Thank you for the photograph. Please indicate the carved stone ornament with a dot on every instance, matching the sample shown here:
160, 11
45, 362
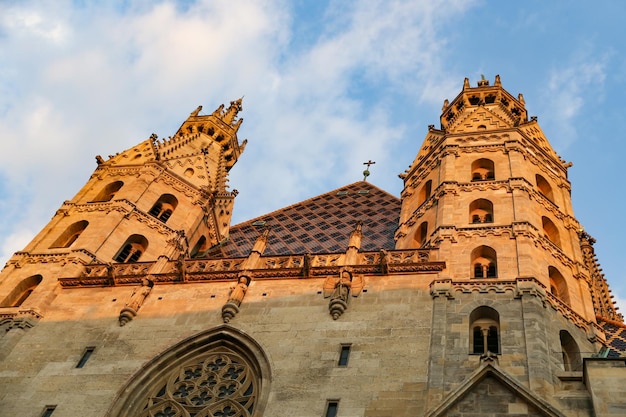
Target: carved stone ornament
340, 288
235, 297
136, 300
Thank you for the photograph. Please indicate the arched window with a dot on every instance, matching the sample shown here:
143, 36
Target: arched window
164, 207
21, 292
482, 170
425, 191
484, 262
70, 235
550, 231
481, 211
132, 250
558, 285
108, 192
571, 352
220, 372
484, 331
544, 187
421, 234
199, 247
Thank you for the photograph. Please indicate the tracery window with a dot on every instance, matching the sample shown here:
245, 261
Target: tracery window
484, 331
164, 207
220, 372
219, 384
483, 170
132, 250
481, 211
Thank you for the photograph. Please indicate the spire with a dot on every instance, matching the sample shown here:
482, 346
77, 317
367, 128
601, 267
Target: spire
231, 113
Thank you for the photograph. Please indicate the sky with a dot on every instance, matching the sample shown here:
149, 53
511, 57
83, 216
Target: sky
327, 85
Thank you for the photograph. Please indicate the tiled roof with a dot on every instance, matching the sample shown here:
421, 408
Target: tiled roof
615, 337
320, 224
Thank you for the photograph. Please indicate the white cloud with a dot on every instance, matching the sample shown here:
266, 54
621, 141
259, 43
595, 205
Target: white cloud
96, 79
573, 86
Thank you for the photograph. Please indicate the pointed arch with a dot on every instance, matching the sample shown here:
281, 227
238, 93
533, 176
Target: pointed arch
425, 191
483, 170
484, 262
571, 352
221, 369
484, 330
108, 192
69, 236
481, 211
164, 207
21, 292
544, 187
558, 285
132, 249
421, 234
550, 231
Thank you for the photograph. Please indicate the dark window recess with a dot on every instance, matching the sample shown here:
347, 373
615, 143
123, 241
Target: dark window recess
83, 360
331, 409
47, 412
344, 355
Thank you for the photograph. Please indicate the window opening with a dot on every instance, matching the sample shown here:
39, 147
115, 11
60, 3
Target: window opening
21, 292
108, 192
86, 355
483, 170
331, 408
484, 262
48, 410
132, 250
484, 331
164, 207
344, 355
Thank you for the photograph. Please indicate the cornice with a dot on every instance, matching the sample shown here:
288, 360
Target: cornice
272, 267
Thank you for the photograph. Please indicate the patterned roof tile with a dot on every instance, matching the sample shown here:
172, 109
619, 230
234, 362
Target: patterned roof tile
320, 224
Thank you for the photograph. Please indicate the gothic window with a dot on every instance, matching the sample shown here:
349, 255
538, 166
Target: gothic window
108, 192
558, 285
164, 207
481, 211
217, 373
70, 235
571, 352
20, 293
199, 247
544, 187
483, 170
421, 235
132, 250
550, 231
425, 191
484, 262
484, 331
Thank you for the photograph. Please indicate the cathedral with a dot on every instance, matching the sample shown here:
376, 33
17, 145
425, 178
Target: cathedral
476, 292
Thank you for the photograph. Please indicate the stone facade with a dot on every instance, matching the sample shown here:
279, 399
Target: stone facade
485, 299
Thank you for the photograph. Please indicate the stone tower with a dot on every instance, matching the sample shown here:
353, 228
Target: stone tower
477, 292
159, 201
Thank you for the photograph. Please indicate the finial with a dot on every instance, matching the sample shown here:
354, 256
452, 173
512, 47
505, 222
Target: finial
498, 83
195, 112
482, 77
366, 173
466, 83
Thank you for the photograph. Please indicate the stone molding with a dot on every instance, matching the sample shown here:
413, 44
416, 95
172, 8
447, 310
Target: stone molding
283, 267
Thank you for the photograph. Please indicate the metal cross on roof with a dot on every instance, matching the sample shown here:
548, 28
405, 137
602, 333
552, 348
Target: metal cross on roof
366, 173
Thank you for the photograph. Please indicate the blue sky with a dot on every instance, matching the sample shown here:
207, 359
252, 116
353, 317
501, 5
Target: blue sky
327, 86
